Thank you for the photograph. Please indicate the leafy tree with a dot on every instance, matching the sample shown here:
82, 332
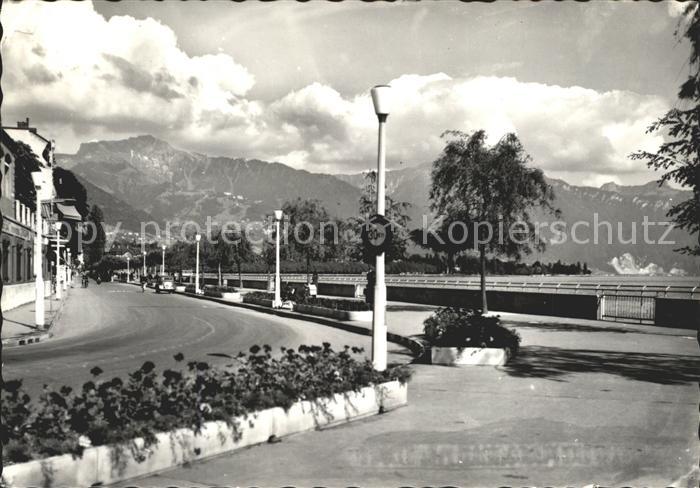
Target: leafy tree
491, 190
442, 239
242, 252
105, 267
179, 256
310, 231
679, 157
396, 213
68, 187
95, 236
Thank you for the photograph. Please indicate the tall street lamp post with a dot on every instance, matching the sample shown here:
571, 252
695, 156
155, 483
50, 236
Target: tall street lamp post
162, 266
143, 250
42, 193
278, 298
380, 99
197, 238
57, 226
69, 269
127, 269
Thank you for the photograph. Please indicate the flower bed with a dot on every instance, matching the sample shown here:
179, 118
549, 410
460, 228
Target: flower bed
466, 337
259, 298
226, 292
117, 411
338, 304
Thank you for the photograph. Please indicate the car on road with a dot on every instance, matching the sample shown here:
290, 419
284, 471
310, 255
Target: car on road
165, 284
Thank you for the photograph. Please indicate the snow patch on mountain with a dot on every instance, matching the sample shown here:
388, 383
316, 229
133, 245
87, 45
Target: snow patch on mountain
627, 265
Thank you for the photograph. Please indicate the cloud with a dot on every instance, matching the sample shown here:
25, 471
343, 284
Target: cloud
125, 76
115, 74
678, 9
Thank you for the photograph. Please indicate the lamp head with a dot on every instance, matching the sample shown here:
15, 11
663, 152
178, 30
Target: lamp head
198, 237
381, 98
163, 247
278, 215
57, 226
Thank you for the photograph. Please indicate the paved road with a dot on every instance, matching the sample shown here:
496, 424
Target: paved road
586, 402
117, 327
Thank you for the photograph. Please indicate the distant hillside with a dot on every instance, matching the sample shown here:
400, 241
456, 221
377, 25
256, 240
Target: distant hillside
624, 207
115, 210
179, 185
172, 184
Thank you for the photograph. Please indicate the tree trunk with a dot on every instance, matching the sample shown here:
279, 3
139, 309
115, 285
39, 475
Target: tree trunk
308, 270
482, 259
220, 283
240, 277
450, 262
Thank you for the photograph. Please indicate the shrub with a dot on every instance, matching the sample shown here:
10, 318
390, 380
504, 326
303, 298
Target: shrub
336, 304
458, 327
116, 411
251, 296
217, 291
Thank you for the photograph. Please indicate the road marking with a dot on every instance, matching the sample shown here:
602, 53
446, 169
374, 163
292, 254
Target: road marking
182, 345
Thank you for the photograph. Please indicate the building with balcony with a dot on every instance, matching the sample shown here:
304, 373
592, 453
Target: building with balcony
22, 151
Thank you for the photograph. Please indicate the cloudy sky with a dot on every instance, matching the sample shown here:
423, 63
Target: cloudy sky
289, 82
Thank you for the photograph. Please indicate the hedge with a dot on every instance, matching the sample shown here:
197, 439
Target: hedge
458, 327
117, 411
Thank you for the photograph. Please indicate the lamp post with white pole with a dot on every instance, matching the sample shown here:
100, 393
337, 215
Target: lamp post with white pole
380, 99
278, 219
162, 266
69, 270
143, 250
197, 238
42, 189
127, 269
59, 274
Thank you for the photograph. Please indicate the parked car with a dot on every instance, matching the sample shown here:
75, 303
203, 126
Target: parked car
165, 284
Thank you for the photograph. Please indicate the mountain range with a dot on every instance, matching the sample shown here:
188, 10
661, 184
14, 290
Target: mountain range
143, 178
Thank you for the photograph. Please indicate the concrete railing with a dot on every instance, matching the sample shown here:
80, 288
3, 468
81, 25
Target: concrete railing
525, 284
669, 312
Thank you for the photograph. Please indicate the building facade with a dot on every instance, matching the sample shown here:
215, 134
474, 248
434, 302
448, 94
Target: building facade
22, 151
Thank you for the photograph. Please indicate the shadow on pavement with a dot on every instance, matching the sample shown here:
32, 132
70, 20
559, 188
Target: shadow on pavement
408, 307
584, 328
553, 362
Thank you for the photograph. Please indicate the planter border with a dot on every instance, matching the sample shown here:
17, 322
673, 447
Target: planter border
350, 315
470, 356
105, 465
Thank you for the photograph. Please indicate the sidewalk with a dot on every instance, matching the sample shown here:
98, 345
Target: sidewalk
19, 325
585, 402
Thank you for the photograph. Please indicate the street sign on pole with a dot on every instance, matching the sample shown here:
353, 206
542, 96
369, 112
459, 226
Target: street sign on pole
377, 234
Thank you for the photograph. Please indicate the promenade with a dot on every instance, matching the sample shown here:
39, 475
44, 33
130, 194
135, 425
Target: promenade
19, 323
585, 403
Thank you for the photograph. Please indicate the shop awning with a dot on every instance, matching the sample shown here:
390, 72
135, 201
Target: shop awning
68, 212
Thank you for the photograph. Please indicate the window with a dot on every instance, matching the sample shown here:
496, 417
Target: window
6, 261
18, 263
30, 271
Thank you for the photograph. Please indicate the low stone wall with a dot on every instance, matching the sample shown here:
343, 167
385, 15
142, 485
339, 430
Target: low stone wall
677, 313
18, 294
352, 315
110, 464
469, 356
670, 312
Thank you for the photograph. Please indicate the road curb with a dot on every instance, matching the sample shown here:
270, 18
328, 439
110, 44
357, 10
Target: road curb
416, 347
108, 464
36, 337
